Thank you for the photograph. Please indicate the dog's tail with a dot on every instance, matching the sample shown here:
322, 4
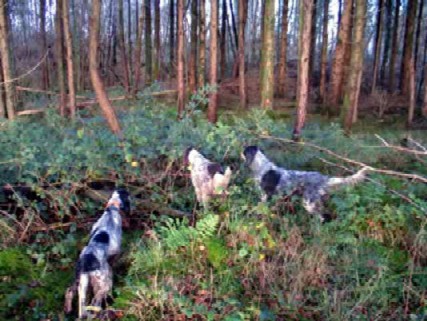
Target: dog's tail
221, 181
349, 180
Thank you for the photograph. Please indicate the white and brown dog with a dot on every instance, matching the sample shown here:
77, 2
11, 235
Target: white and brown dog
208, 178
312, 186
93, 266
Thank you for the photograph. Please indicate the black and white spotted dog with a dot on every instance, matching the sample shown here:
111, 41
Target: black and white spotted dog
93, 267
312, 186
208, 178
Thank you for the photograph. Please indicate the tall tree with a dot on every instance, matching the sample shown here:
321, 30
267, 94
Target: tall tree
70, 62
283, 50
5, 61
192, 68
337, 73
267, 59
97, 83
313, 40
213, 79
408, 46
243, 11
157, 62
222, 41
387, 39
138, 50
233, 21
356, 67
180, 56
122, 44
202, 44
412, 101
59, 49
424, 110
148, 43
45, 66
324, 55
171, 34
378, 41
304, 41
418, 32
394, 48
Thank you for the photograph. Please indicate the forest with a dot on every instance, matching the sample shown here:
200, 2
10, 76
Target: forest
274, 153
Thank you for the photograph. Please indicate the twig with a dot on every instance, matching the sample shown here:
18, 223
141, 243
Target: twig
404, 149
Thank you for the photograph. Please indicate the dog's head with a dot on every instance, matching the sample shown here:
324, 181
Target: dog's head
249, 154
121, 198
186, 158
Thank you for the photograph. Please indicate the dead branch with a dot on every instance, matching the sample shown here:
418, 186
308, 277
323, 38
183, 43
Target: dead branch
30, 112
422, 150
348, 160
46, 92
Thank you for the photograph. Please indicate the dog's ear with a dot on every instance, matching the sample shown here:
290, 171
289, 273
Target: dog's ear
186, 154
214, 168
124, 200
249, 154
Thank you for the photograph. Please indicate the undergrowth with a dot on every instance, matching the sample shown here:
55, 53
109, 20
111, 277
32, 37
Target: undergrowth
239, 260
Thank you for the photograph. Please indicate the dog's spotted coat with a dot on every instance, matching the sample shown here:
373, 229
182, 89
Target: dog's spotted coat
312, 186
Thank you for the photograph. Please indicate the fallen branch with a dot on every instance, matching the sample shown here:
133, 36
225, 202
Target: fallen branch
423, 150
46, 92
348, 160
30, 112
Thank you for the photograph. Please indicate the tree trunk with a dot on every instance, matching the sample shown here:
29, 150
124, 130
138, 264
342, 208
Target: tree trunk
313, 41
267, 60
408, 47
305, 20
387, 40
222, 43
254, 16
281, 90
202, 45
324, 57
412, 101
241, 42
122, 43
60, 56
138, 50
378, 41
148, 44
356, 67
424, 110
233, 23
5, 61
192, 68
70, 63
418, 33
129, 44
338, 64
180, 56
97, 84
3, 111
171, 35
213, 99
394, 48
45, 70
158, 55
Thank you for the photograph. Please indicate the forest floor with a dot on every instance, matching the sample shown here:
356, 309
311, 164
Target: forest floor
241, 260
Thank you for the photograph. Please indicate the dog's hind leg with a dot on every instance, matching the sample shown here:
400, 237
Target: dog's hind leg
69, 295
83, 287
102, 283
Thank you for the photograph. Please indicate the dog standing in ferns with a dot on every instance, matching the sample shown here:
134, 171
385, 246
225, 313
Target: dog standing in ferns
93, 267
312, 186
208, 178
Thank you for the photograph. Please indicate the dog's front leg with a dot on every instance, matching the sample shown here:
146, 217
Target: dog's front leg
83, 287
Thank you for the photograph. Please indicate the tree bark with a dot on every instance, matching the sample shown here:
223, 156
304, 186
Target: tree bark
171, 35
394, 48
180, 56
356, 67
59, 48
233, 23
387, 40
241, 42
304, 42
378, 40
129, 42
313, 41
408, 47
412, 101
192, 68
70, 62
267, 60
324, 57
424, 110
5, 61
45, 66
202, 45
338, 64
138, 50
148, 44
97, 84
222, 42
122, 43
281, 90
158, 55
418, 32
213, 99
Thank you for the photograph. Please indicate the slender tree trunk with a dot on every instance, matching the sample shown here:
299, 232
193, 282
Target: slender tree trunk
233, 23
45, 70
202, 44
158, 55
5, 61
148, 44
213, 99
424, 110
394, 48
138, 50
180, 56
281, 90
408, 47
313, 41
305, 20
378, 41
356, 67
171, 35
70, 63
254, 28
243, 11
129, 34
123, 48
418, 33
412, 101
387, 40
339, 11
324, 58
222, 42
192, 68
267, 61
338, 64
97, 84
60, 56
3, 111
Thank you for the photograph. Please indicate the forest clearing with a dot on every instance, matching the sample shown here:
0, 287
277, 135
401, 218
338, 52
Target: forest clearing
274, 154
